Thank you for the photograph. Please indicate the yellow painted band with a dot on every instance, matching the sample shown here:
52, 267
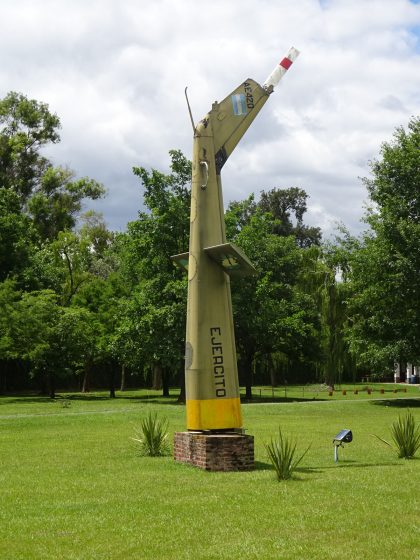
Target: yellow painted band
214, 414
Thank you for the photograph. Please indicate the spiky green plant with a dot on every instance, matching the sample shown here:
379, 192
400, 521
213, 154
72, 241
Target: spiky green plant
152, 436
405, 435
282, 453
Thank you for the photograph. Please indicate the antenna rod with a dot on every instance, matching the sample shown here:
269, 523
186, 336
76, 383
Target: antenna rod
189, 110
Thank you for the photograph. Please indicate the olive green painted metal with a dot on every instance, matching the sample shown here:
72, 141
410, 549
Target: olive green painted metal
212, 388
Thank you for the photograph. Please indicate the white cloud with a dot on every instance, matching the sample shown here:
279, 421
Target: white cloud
115, 73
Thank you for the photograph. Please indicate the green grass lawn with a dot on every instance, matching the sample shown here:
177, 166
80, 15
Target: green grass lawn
74, 487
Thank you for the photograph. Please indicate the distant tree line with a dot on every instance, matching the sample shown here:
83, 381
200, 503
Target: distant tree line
83, 307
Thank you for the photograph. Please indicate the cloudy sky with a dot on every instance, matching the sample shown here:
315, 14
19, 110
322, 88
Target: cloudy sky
115, 71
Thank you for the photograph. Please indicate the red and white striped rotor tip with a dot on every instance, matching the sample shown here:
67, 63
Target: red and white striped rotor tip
281, 69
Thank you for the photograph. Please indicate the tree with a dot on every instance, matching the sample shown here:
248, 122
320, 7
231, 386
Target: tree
385, 308
50, 195
27, 125
17, 236
100, 237
333, 293
9, 295
151, 331
33, 329
103, 298
80, 333
48, 260
287, 208
153, 315
56, 341
282, 203
56, 203
72, 255
271, 313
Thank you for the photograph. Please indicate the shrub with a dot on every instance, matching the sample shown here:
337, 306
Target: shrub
282, 453
152, 436
405, 435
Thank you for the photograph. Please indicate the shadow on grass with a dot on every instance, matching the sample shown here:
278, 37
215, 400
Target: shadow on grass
172, 399
271, 400
308, 470
398, 403
261, 466
297, 475
349, 464
87, 397
144, 398
24, 399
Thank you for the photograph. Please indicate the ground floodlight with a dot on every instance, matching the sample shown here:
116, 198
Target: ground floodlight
345, 436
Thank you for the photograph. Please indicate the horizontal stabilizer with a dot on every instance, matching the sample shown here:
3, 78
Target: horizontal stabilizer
231, 259
228, 256
181, 261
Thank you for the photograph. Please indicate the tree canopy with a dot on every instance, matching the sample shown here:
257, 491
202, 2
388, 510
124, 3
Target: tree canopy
79, 301
385, 268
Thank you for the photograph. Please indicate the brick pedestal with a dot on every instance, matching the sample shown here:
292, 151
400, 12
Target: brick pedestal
215, 452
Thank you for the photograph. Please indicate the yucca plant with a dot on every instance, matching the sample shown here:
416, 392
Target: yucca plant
405, 435
282, 453
152, 436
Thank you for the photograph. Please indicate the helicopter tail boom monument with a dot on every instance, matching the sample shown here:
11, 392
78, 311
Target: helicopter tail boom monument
212, 388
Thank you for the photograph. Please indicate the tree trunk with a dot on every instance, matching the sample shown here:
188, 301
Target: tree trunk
3, 376
112, 382
273, 377
165, 382
122, 388
181, 396
157, 377
273, 371
247, 375
86, 377
329, 375
51, 386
